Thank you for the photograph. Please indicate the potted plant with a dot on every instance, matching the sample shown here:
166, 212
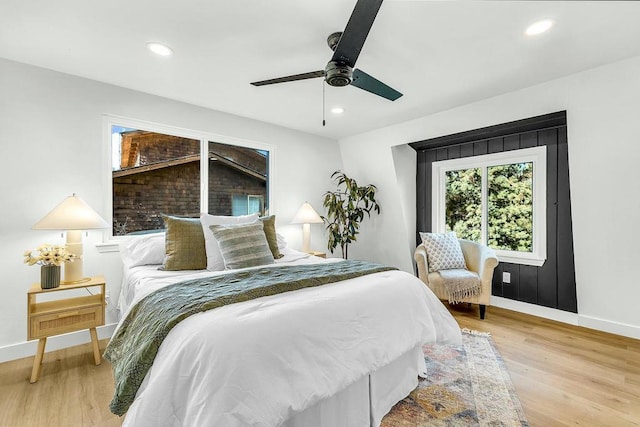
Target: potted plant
346, 207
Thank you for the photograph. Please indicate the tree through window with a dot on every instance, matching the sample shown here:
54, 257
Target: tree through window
498, 200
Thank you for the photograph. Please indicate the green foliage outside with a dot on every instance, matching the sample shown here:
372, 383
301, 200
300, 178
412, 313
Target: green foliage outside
463, 202
509, 205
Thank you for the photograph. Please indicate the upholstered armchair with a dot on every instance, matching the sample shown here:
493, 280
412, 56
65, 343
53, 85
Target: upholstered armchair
478, 258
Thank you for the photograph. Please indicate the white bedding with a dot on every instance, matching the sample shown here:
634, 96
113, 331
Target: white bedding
261, 362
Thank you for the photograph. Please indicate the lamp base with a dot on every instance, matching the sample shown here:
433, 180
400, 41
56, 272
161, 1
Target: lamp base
306, 238
75, 282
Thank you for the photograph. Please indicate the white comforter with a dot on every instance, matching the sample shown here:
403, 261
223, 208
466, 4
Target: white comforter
258, 362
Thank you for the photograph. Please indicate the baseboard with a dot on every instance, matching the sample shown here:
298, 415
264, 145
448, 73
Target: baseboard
28, 348
617, 328
536, 310
590, 322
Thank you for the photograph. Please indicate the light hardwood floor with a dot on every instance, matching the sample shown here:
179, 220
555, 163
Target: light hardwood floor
564, 375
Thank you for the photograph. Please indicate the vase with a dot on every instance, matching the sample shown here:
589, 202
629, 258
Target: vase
49, 276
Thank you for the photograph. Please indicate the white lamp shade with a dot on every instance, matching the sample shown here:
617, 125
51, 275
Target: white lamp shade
72, 213
306, 215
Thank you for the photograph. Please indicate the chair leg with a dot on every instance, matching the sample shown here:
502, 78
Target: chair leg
483, 309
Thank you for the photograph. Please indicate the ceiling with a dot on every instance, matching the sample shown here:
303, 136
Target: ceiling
440, 54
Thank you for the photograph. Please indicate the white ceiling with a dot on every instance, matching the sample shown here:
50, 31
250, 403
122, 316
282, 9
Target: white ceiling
440, 54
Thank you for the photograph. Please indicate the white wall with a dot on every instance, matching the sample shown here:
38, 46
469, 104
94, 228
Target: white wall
603, 110
51, 138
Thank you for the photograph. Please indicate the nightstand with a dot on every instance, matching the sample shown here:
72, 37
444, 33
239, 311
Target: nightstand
48, 318
318, 254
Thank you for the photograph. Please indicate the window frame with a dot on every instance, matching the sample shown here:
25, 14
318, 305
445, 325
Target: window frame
535, 155
111, 241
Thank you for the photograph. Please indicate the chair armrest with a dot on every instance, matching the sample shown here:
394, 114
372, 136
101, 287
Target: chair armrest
420, 257
479, 258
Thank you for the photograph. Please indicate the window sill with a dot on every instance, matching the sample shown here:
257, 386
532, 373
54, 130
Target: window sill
106, 247
511, 259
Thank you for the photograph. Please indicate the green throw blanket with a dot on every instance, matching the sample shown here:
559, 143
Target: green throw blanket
135, 344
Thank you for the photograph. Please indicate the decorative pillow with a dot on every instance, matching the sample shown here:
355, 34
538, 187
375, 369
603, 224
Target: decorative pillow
148, 249
269, 223
242, 245
443, 251
214, 257
282, 242
184, 245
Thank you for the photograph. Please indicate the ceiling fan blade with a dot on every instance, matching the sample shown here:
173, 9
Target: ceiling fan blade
293, 78
364, 81
356, 31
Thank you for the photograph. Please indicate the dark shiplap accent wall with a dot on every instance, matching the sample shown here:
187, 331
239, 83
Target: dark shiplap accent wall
553, 284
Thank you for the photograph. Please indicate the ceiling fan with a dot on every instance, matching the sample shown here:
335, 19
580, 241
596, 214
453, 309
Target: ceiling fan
346, 48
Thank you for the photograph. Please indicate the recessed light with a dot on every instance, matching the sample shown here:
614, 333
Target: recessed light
159, 49
337, 110
539, 27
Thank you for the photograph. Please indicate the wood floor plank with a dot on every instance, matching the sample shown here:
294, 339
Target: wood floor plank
71, 390
564, 376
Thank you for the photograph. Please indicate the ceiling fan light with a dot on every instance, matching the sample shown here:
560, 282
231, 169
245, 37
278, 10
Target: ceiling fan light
159, 49
539, 27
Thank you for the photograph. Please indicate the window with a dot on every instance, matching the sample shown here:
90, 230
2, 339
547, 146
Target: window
247, 204
496, 199
161, 170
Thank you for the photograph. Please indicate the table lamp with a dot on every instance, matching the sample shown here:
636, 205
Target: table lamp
73, 215
306, 216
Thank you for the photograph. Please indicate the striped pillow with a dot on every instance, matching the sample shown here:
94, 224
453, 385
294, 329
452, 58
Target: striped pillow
242, 245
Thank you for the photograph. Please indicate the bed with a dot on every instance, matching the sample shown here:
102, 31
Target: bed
337, 354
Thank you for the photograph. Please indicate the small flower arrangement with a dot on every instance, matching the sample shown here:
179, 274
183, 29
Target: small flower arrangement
47, 254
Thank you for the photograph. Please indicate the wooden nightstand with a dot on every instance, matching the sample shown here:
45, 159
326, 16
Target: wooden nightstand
48, 318
318, 254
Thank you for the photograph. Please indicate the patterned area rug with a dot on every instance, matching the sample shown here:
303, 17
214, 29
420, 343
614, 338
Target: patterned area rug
468, 385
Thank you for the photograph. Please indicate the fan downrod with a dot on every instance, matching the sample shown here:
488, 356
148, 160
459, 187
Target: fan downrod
333, 40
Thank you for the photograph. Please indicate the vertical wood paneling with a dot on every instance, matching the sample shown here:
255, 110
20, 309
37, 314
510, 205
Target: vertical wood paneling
479, 147
566, 270
495, 145
511, 290
528, 290
547, 274
511, 142
553, 284
423, 192
454, 152
426, 214
529, 139
496, 282
466, 150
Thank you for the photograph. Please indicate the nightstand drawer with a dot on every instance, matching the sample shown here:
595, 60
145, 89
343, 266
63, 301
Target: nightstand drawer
46, 325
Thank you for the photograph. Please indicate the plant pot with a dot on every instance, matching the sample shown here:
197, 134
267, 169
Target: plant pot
49, 276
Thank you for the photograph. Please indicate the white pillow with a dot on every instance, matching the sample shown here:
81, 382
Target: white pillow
147, 249
443, 251
215, 262
282, 242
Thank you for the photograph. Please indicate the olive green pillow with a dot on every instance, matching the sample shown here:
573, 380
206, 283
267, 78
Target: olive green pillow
184, 244
269, 223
